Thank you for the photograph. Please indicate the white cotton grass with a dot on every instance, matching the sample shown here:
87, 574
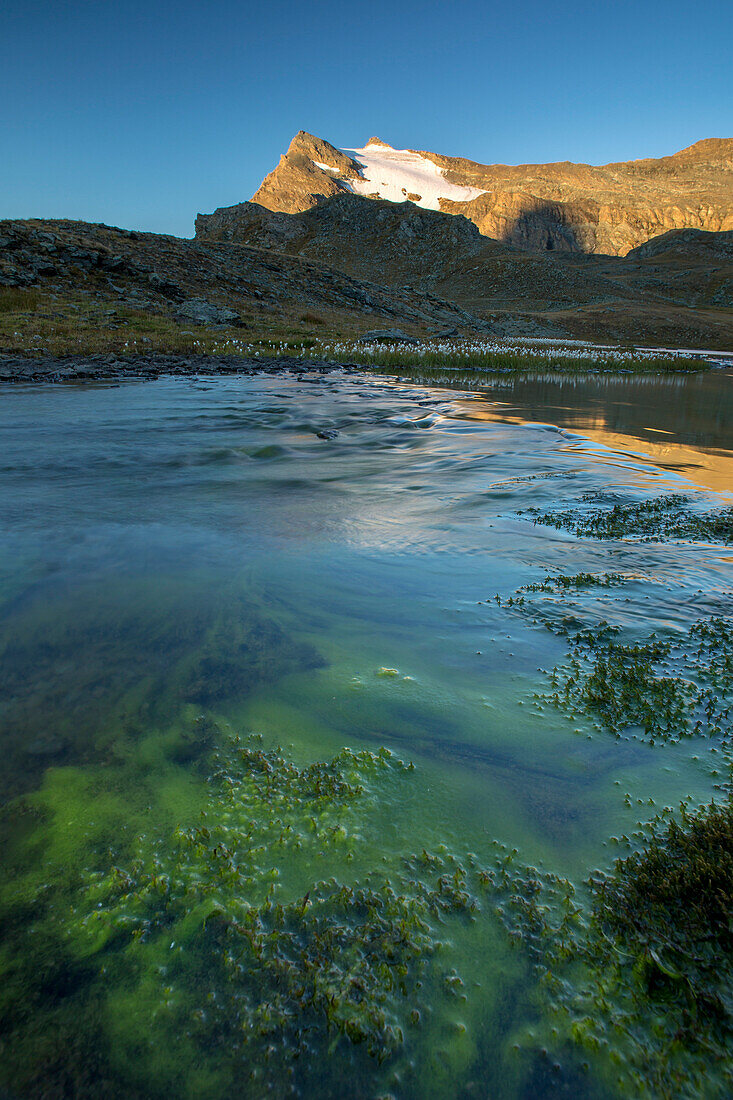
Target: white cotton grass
451, 356
490, 353
473, 355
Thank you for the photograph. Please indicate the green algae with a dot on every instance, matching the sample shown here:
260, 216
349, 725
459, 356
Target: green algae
564, 581
211, 950
223, 935
273, 981
665, 517
52, 1038
714, 653
221, 956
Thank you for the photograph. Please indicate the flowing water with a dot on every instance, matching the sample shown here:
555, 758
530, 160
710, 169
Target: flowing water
185, 563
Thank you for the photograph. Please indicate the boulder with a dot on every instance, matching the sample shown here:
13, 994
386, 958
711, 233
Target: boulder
165, 287
201, 312
387, 336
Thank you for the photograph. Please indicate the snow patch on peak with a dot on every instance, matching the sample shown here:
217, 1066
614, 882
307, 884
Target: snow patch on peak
399, 174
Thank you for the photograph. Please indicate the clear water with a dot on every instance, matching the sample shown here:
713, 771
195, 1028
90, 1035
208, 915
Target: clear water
186, 548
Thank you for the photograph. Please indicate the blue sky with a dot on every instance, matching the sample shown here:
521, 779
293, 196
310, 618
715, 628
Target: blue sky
143, 114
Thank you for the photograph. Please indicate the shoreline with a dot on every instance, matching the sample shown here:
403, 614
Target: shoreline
17, 369
147, 368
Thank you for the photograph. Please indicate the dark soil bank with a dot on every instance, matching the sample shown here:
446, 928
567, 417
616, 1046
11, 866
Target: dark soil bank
112, 368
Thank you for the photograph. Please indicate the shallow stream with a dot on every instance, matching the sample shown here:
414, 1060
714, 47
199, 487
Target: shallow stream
188, 562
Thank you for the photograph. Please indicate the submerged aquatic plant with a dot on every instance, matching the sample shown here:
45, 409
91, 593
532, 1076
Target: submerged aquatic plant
658, 689
714, 653
661, 946
79, 666
637, 966
272, 981
240, 649
664, 517
672, 903
650, 687
622, 686
562, 583
220, 959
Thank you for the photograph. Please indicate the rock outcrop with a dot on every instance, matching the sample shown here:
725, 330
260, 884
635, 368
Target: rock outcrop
393, 243
609, 209
200, 312
310, 171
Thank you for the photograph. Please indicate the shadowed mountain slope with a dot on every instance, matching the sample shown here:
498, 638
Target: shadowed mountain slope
655, 292
148, 271
398, 243
391, 242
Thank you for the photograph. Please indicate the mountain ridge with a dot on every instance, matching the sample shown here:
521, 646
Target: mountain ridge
557, 206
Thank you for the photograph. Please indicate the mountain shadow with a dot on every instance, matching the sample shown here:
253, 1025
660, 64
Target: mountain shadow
546, 227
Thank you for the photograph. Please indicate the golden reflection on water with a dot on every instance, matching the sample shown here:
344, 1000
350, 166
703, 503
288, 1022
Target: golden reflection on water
705, 468
686, 430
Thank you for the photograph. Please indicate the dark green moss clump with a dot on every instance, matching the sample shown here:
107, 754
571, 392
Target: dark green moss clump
662, 937
671, 905
664, 517
638, 964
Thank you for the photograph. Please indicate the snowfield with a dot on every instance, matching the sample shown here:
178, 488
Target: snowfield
396, 173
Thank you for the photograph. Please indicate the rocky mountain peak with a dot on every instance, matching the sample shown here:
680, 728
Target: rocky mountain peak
561, 207
310, 171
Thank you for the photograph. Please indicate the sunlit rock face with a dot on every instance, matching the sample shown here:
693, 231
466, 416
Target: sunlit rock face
562, 207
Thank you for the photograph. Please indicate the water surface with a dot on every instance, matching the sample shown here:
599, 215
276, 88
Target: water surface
184, 561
